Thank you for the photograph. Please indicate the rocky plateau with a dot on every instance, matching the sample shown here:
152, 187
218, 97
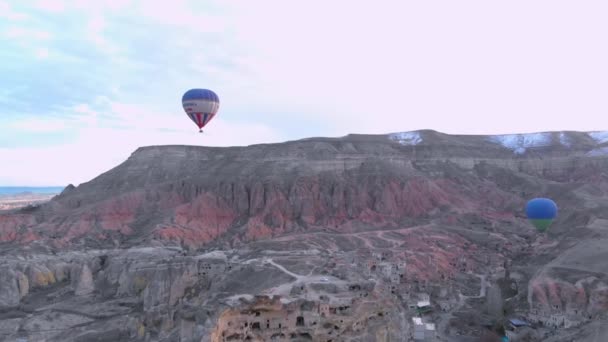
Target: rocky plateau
396, 237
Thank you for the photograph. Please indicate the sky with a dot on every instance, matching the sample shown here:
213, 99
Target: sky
85, 83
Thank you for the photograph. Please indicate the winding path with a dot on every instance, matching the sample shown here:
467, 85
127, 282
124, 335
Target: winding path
441, 325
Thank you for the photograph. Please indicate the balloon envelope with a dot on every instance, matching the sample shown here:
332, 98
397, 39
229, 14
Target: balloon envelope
541, 212
201, 105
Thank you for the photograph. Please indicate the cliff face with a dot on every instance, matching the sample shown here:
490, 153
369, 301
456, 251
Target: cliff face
575, 282
415, 213
266, 319
586, 297
118, 295
199, 195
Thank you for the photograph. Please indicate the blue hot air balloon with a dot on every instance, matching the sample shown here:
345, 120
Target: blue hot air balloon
541, 212
201, 105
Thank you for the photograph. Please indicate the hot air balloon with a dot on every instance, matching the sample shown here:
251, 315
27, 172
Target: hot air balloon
541, 212
201, 105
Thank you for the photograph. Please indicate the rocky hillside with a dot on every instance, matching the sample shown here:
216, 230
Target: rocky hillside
419, 212
200, 195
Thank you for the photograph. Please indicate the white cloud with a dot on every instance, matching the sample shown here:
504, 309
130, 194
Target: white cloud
180, 13
90, 7
39, 125
89, 115
42, 53
53, 6
26, 34
95, 33
72, 118
7, 12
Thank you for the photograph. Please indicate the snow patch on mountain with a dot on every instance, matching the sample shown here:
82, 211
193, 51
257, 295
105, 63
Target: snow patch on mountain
519, 143
406, 138
600, 137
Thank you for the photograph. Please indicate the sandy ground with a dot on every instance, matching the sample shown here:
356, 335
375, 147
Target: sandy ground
8, 202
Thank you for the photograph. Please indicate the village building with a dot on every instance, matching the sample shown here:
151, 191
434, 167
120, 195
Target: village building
424, 331
212, 267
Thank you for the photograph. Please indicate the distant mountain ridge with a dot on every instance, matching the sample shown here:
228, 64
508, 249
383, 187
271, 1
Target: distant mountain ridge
196, 195
450, 206
16, 190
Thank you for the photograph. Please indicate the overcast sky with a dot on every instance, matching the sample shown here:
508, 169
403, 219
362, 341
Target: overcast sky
84, 83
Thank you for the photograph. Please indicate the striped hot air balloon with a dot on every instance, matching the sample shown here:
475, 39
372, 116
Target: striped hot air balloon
201, 105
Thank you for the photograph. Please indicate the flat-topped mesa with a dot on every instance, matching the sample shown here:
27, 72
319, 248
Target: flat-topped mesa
412, 145
521, 143
311, 147
195, 195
